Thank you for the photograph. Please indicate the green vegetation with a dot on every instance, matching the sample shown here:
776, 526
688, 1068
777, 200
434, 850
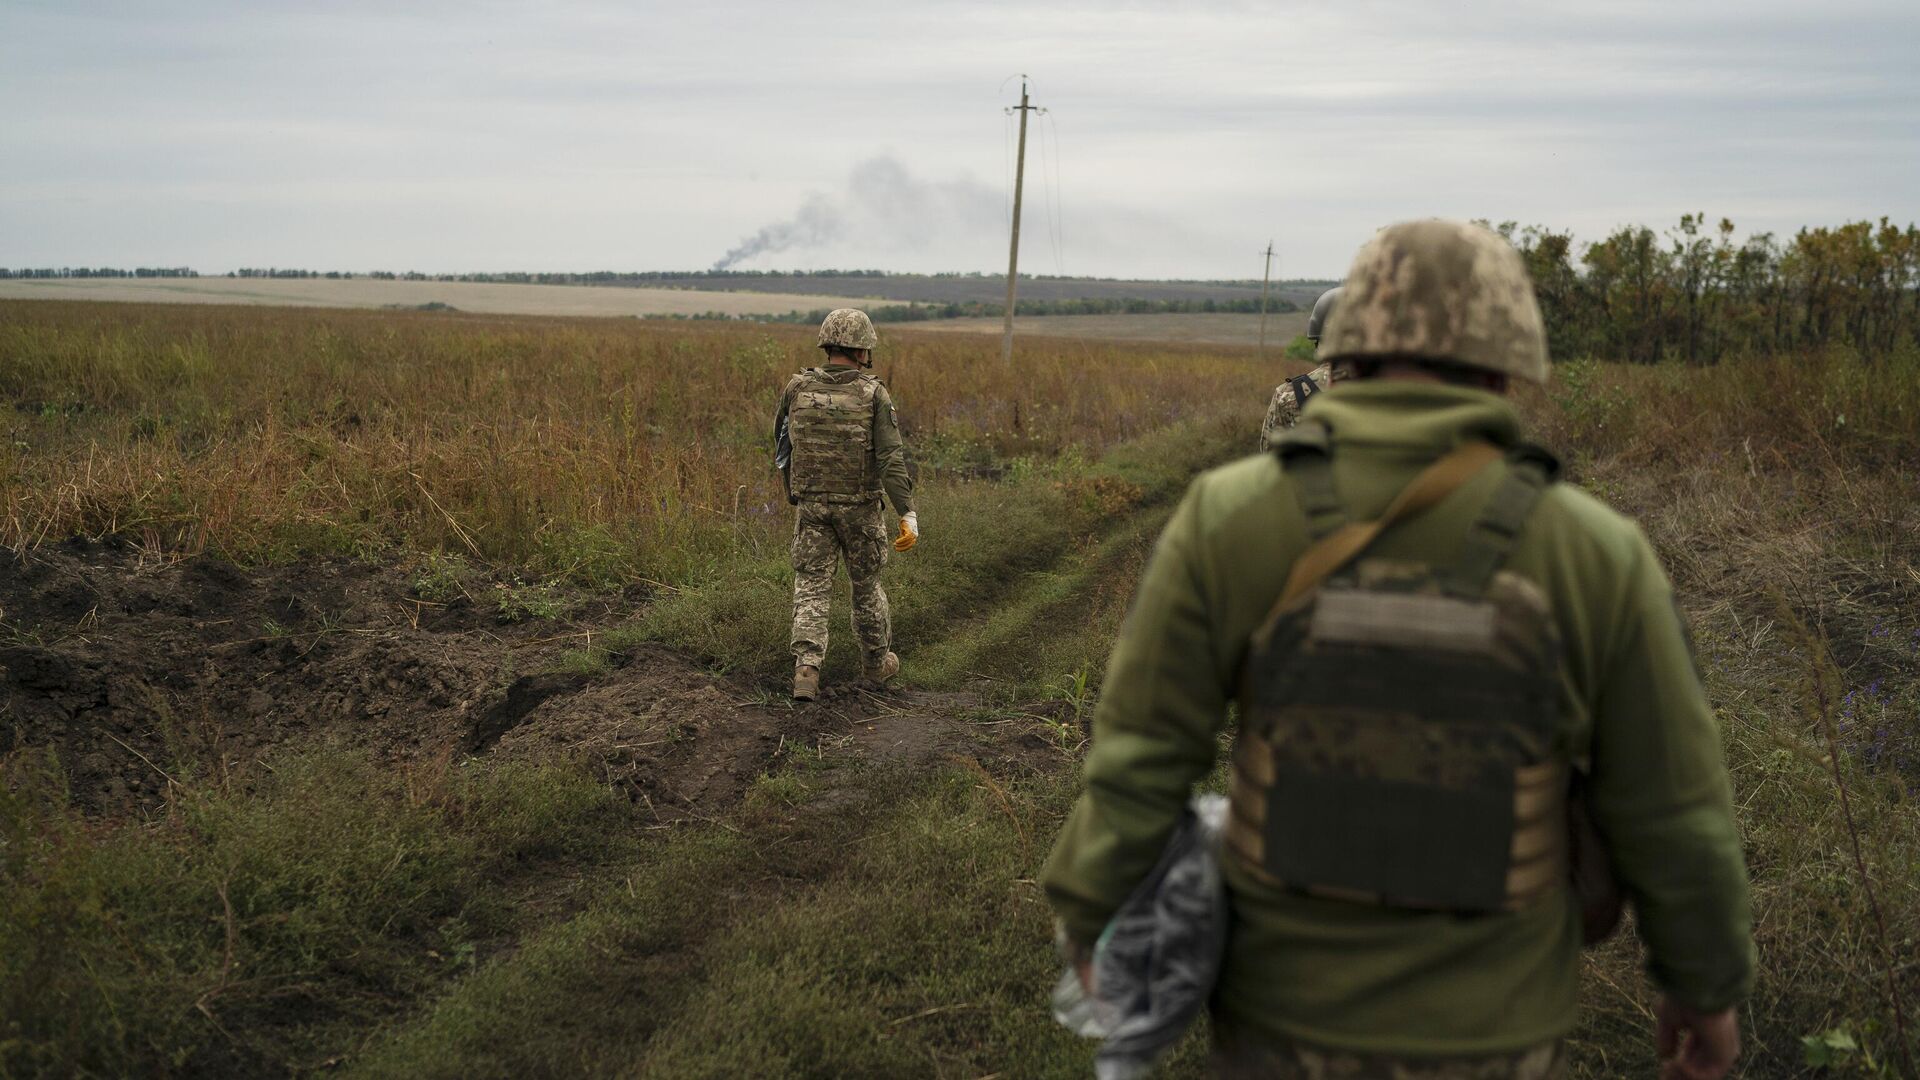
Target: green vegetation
1695, 295
263, 927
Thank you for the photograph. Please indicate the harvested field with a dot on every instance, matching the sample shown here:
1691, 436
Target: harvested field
460, 295
1226, 329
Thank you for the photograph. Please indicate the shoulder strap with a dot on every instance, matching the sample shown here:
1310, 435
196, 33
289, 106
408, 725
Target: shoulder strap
1491, 537
1304, 453
1335, 549
1303, 388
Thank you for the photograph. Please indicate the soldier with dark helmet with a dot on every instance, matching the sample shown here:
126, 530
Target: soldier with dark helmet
838, 448
1448, 668
1292, 396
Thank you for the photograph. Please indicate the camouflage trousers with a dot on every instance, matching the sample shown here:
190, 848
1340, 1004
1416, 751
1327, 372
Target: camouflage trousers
823, 534
1238, 1058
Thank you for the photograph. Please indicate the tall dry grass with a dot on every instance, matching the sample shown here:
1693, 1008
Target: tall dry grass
1784, 498
609, 450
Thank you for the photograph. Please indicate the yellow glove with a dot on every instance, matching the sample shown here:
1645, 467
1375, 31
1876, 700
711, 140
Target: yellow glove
909, 531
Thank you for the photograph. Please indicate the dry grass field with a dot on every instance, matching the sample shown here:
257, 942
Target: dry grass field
400, 693
464, 296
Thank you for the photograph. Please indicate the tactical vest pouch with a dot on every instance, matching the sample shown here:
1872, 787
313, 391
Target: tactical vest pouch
1399, 736
831, 426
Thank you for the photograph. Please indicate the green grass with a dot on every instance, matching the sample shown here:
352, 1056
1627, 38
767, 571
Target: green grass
256, 929
999, 561
914, 949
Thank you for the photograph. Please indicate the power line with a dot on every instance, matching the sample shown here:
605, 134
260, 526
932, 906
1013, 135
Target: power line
1058, 217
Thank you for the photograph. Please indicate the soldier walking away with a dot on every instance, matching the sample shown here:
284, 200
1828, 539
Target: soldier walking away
838, 448
1291, 396
1447, 666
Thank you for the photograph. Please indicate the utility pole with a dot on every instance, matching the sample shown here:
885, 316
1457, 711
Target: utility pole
1265, 276
1013, 246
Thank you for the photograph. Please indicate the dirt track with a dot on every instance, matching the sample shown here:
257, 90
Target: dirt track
132, 669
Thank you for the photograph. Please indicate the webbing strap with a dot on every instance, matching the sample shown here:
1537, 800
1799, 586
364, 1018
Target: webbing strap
1491, 537
1303, 453
1303, 389
1334, 550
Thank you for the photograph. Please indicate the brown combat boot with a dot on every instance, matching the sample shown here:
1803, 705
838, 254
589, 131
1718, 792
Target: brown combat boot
806, 682
882, 670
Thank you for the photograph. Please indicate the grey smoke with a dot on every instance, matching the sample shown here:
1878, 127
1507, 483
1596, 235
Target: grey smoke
883, 206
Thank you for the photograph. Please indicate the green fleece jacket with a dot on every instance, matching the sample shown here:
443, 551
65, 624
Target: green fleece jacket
1359, 977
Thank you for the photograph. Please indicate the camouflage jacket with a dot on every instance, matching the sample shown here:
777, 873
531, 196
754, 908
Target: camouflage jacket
1368, 978
889, 449
1284, 410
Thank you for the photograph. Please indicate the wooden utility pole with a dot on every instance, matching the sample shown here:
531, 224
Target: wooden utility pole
1013, 246
1265, 276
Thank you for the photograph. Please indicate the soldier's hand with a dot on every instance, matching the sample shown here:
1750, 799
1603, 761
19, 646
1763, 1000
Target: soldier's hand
909, 531
1695, 1045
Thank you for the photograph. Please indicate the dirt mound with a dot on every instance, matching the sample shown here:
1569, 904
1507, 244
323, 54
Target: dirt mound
140, 672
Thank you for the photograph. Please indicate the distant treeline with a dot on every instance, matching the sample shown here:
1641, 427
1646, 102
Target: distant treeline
1692, 293
98, 272
591, 277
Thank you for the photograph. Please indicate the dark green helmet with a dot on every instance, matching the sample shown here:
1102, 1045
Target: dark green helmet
1322, 311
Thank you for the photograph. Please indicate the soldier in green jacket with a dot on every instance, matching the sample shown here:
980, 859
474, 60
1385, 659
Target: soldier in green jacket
1413, 714
838, 448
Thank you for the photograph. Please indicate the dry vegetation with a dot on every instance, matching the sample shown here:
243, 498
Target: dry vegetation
848, 915
1784, 496
602, 450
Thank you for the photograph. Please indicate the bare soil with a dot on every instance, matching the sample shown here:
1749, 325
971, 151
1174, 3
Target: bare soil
133, 670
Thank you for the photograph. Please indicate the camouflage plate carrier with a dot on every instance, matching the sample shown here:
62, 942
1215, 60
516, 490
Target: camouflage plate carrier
1403, 741
830, 424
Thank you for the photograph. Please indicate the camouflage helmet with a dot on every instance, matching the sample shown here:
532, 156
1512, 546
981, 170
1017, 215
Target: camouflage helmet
848, 328
1440, 290
1322, 311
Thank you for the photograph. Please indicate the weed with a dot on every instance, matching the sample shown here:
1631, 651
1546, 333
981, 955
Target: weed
441, 577
518, 602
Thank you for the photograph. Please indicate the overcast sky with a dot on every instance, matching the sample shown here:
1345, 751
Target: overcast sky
1180, 138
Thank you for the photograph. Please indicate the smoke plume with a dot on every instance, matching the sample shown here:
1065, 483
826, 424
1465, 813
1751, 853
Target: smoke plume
884, 207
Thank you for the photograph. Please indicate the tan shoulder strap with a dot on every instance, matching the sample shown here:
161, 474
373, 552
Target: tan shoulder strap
1439, 480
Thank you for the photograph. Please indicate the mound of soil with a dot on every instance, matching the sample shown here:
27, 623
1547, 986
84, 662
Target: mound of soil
140, 672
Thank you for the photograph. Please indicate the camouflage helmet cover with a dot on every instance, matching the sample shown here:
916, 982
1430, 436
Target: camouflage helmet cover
1441, 290
1322, 311
848, 328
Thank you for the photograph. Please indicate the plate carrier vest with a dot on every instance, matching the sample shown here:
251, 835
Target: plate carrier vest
1402, 737
830, 423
